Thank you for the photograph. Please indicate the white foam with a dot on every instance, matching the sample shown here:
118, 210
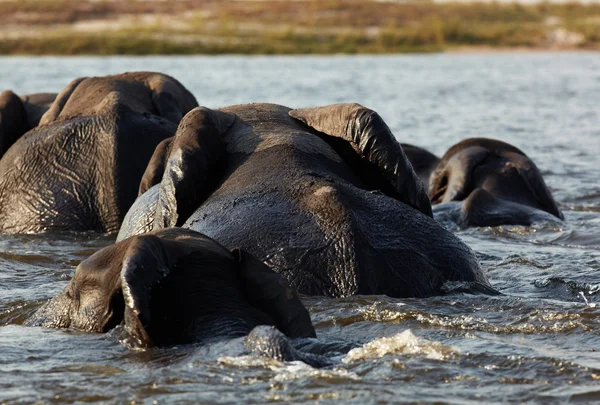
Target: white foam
405, 343
289, 370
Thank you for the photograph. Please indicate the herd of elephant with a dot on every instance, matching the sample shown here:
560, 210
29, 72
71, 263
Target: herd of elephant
224, 214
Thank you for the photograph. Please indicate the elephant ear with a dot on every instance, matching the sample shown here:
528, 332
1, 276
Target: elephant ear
271, 293
481, 208
156, 167
13, 120
60, 101
170, 99
534, 181
371, 138
166, 105
192, 167
147, 263
452, 181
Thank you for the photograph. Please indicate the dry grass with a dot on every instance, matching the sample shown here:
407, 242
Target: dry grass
282, 26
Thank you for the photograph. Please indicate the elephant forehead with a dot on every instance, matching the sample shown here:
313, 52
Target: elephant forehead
249, 142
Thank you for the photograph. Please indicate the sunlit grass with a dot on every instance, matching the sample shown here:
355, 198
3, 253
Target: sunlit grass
287, 27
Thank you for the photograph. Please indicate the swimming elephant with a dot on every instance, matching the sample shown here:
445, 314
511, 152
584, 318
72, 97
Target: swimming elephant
325, 196
422, 161
486, 182
80, 168
177, 286
143, 92
20, 114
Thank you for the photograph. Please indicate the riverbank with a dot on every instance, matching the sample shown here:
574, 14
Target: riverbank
103, 27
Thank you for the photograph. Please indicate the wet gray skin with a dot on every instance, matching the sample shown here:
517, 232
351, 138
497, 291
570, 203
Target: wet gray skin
79, 170
176, 286
495, 184
325, 196
537, 343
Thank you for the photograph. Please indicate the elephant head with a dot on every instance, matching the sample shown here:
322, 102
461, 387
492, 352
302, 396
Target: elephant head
144, 92
185, 164
326, 196
88, 153
175, 286
498, 183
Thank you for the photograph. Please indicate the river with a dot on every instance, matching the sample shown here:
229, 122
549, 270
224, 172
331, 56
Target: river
539, 342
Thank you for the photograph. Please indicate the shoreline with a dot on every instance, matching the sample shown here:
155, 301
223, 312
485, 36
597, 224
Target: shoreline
459, 50
281, 27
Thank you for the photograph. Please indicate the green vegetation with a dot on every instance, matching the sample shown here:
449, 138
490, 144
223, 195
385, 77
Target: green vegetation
288, 27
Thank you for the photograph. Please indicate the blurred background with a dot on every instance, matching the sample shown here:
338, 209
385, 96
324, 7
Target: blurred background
538, 343
105, 27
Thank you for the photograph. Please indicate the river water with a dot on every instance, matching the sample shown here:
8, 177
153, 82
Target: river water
539, 342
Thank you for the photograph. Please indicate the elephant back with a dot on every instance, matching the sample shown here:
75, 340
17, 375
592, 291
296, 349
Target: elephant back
81, 174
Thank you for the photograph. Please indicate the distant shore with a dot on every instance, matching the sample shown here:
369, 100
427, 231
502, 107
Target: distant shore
97, 27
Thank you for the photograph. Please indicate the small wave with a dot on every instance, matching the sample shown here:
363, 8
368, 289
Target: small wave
549, 233
405, 343
575, 288
286, 371
17, 312
250, 362
545, 322
517, 259
512, 321
468, 287
584, 208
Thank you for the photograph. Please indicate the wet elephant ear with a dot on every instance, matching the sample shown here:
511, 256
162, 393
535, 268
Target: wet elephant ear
372, 138
192, 166
481, 208
147, 262
165, 94
13, 120
156, 167
534, 181
451, 180
271, 293
157, 266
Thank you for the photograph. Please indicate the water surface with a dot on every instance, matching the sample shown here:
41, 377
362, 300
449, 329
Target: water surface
539, 342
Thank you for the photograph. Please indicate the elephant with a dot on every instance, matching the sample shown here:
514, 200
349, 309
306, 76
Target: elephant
20, 114
325, 196
177, 286
80, 168
487, 182
36, 106
422, 161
